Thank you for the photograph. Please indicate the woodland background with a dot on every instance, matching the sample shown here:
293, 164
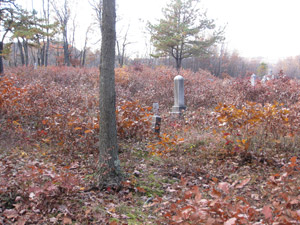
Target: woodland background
231, 159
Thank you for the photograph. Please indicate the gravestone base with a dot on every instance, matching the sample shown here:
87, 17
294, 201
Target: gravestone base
178, 109
177, 112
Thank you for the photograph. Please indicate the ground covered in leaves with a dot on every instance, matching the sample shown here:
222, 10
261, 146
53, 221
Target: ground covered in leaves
232, 158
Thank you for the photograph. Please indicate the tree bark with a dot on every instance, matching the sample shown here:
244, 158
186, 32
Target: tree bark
26, 53
1, 59
109, 173
83, 58
41, 61
83, 55
21, 52
66, 53
178, 64
63, 17
48, 38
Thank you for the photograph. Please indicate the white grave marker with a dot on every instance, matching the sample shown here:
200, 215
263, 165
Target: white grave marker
179, 105
253, 80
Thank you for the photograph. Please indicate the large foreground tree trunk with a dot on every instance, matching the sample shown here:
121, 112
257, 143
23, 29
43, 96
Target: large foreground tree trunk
109, 173
1, 59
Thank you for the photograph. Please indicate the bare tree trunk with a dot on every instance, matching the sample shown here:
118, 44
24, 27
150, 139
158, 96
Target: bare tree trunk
41, 60
1, 59
97, 6
25, 47
121, 52
83, 55
15, 51
33, 56
46, 54
73, 37
178, 64
66, 53
21, 52
109, 172
63, 15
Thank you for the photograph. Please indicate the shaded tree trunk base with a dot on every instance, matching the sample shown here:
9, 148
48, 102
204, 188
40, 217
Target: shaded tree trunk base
109, 179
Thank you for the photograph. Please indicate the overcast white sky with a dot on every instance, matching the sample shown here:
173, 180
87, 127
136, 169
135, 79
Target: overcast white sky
255, 28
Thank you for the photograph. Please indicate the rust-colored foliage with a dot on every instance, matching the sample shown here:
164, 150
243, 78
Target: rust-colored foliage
164, 144
49, 124
253, 125
133, 120
62, 109
222, 208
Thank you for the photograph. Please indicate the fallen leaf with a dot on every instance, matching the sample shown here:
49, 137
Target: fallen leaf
231, 221
267, 211
67, 220
142, 190
87, 212
10, 213
22, 221
198, 215
243, 199
293, 161
31, 195
215, 179
112, 210
243, 183
224, 186
215, 194
53, 220
255, 197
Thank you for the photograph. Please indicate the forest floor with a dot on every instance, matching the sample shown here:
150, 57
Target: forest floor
45, 185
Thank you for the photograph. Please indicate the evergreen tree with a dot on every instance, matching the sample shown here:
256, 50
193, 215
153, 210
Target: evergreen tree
183, 32
7, 10
262, 69
29, 30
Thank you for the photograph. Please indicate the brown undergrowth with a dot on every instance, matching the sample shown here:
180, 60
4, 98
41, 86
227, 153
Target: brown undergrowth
230, 163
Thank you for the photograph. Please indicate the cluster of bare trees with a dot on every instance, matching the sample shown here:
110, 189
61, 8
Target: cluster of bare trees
48, 37
33, 38
290, 66
220, 63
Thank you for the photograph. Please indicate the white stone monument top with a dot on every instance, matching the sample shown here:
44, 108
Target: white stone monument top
264, 79
253, 80
179, 77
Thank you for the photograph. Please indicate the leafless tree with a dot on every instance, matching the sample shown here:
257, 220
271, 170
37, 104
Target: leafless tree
63, 15
97, 6
83, 55
121, 47
46, 11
